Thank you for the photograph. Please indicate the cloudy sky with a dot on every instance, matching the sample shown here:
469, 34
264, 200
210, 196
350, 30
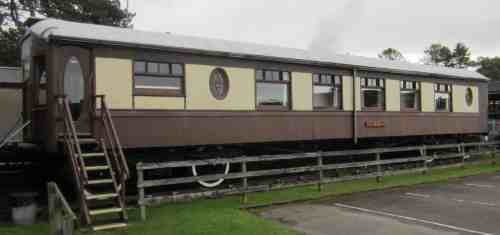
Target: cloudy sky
360, 27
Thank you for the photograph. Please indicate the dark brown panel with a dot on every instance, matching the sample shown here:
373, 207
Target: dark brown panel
417, 123
153, 128
12, 85
483, 106
39, 121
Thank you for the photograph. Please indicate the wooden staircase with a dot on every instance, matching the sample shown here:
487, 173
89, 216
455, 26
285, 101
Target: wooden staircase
100, 169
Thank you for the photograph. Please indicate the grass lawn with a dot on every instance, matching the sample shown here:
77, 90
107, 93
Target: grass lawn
224, 216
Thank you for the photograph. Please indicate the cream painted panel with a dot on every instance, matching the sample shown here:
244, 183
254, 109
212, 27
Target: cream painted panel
114, 79
146, 102
302, 91
427, 96
11, 101
458, 98
347, 93
459, 102
392, 95
241, 94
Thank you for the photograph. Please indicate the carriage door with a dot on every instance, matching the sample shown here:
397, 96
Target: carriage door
76, 86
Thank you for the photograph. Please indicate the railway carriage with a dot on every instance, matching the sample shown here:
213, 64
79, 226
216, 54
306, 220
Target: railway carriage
94, 92
168, 90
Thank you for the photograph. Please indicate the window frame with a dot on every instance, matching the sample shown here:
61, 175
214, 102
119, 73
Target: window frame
280, 81
378, 86
448, 90
155, 92
331, 85
416, 89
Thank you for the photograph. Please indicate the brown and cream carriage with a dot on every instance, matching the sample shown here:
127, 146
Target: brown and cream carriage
129, 89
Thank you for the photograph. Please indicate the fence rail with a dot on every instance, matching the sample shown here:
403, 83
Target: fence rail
61, 216
423, 156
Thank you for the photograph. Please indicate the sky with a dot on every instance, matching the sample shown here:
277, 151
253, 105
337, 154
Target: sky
359, 27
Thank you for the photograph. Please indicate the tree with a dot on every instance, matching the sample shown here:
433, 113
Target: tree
391, 54
13, 14
439, 54
461, 56
489, 67
9, 54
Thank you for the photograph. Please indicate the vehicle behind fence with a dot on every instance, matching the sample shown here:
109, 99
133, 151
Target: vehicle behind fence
325, 167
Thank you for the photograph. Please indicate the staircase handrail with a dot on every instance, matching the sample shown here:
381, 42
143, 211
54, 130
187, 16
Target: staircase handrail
70, 131
113, 139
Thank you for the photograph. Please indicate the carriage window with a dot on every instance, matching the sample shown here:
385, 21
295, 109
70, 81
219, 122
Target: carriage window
74, 86
373, 94
327, 91
158, 79
442, 97
272, 89
410, 95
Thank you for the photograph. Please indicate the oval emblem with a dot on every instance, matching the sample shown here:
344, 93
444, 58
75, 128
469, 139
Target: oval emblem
219, 83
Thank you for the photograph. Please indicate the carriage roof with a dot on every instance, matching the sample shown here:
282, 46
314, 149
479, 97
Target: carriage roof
52, 29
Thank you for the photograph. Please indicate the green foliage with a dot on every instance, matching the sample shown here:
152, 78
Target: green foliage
461, 56
9, 53
13, 14
391, 54
105, 12
439, 54
489, 67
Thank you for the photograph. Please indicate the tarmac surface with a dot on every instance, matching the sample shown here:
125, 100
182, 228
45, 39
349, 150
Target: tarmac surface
465, 206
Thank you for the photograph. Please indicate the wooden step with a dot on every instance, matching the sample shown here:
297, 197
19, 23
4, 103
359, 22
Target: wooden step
103, 181
105, 211
82, 140
79, 134
96, 168
87, 140
91, 155
109, 226
103, 196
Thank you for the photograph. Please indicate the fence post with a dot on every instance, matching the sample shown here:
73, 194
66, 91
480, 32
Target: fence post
493, 155
461, 149
244, 198
68, 227
320, 172
379, 168
423, 153
52, 208
140, 181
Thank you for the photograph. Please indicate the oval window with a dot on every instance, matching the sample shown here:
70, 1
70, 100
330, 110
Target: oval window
74, 85
469, 96
219, 83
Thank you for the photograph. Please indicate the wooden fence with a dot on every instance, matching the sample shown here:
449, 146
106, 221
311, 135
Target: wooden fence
424, 155
61, 216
